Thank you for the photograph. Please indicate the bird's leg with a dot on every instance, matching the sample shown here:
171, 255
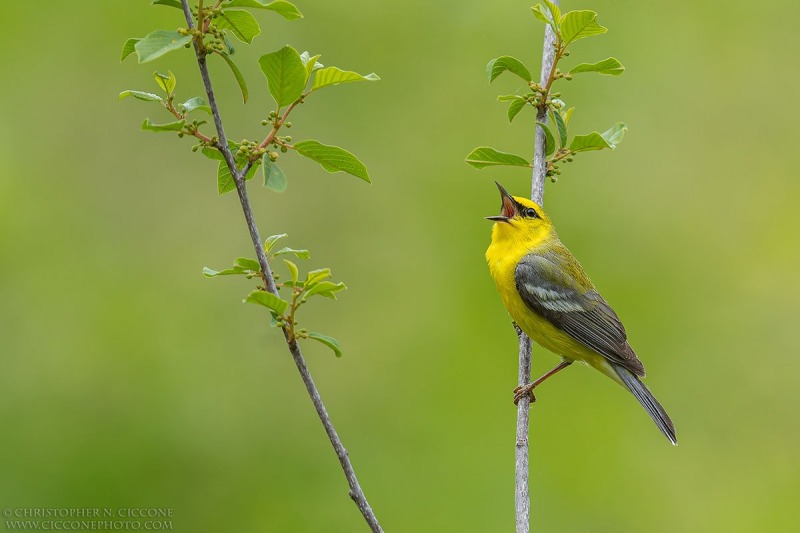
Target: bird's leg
527, 390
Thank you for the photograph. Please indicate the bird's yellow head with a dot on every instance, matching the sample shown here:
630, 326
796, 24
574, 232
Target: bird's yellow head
521, 221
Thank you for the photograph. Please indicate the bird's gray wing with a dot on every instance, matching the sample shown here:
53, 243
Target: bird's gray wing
553, 291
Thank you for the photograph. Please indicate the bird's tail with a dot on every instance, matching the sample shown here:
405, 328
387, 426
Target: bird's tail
648, 401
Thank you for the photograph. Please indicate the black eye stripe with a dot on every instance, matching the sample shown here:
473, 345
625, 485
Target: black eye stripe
528, 212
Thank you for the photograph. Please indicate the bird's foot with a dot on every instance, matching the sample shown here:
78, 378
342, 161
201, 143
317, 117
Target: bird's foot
523, 391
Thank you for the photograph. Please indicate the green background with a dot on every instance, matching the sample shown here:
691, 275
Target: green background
129, 380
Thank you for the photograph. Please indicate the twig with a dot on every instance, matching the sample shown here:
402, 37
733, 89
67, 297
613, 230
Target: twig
522, 499
269, 283
539, 154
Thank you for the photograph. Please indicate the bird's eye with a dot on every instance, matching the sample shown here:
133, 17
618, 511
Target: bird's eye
530, 213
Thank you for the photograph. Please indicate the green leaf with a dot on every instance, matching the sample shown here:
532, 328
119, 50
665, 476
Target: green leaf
330, 342
486, 156
555, 11
242, 265
212, 153
334, 76
562, 128
292, 269
269, 300
229, 46
300, 254
579, 25
241, 23
324, 288
333, 158
568, 115
615, 133
598, 141
591, 141
507, 63
166, 81
172, 126
211, 273
225, 182
550, 141
514, 108
158, 43
311, 63
247, 264
315, 276
274, 178
542, 14
236, 74
140, 95
128, 48
170, 3
285, 9
508, 97
609, 66
271, 240
286, 74
195, 103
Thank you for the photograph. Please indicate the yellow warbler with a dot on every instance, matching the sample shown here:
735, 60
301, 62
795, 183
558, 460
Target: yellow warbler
552, 300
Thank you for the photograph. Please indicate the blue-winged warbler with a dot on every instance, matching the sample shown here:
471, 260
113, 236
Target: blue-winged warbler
552, 300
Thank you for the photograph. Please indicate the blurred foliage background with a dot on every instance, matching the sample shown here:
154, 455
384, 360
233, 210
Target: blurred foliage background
130, 380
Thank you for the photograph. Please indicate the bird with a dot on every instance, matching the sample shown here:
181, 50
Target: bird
550, 298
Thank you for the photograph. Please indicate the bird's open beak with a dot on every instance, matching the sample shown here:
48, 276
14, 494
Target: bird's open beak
508, 209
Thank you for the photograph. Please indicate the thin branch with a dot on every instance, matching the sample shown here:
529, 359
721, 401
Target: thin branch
181, 116
522, 499
269, 283
539, 154
273, 134
279, 122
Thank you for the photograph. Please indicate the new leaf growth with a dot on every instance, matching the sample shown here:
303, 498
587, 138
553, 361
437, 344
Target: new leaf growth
291, 78
568, 28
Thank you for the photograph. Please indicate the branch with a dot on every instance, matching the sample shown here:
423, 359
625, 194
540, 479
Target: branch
269, 283
539, 157
522, 499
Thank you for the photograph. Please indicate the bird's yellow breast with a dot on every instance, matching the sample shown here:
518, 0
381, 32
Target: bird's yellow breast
508, 247
503, 255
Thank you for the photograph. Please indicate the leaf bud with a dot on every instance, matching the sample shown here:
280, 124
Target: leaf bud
273, 156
